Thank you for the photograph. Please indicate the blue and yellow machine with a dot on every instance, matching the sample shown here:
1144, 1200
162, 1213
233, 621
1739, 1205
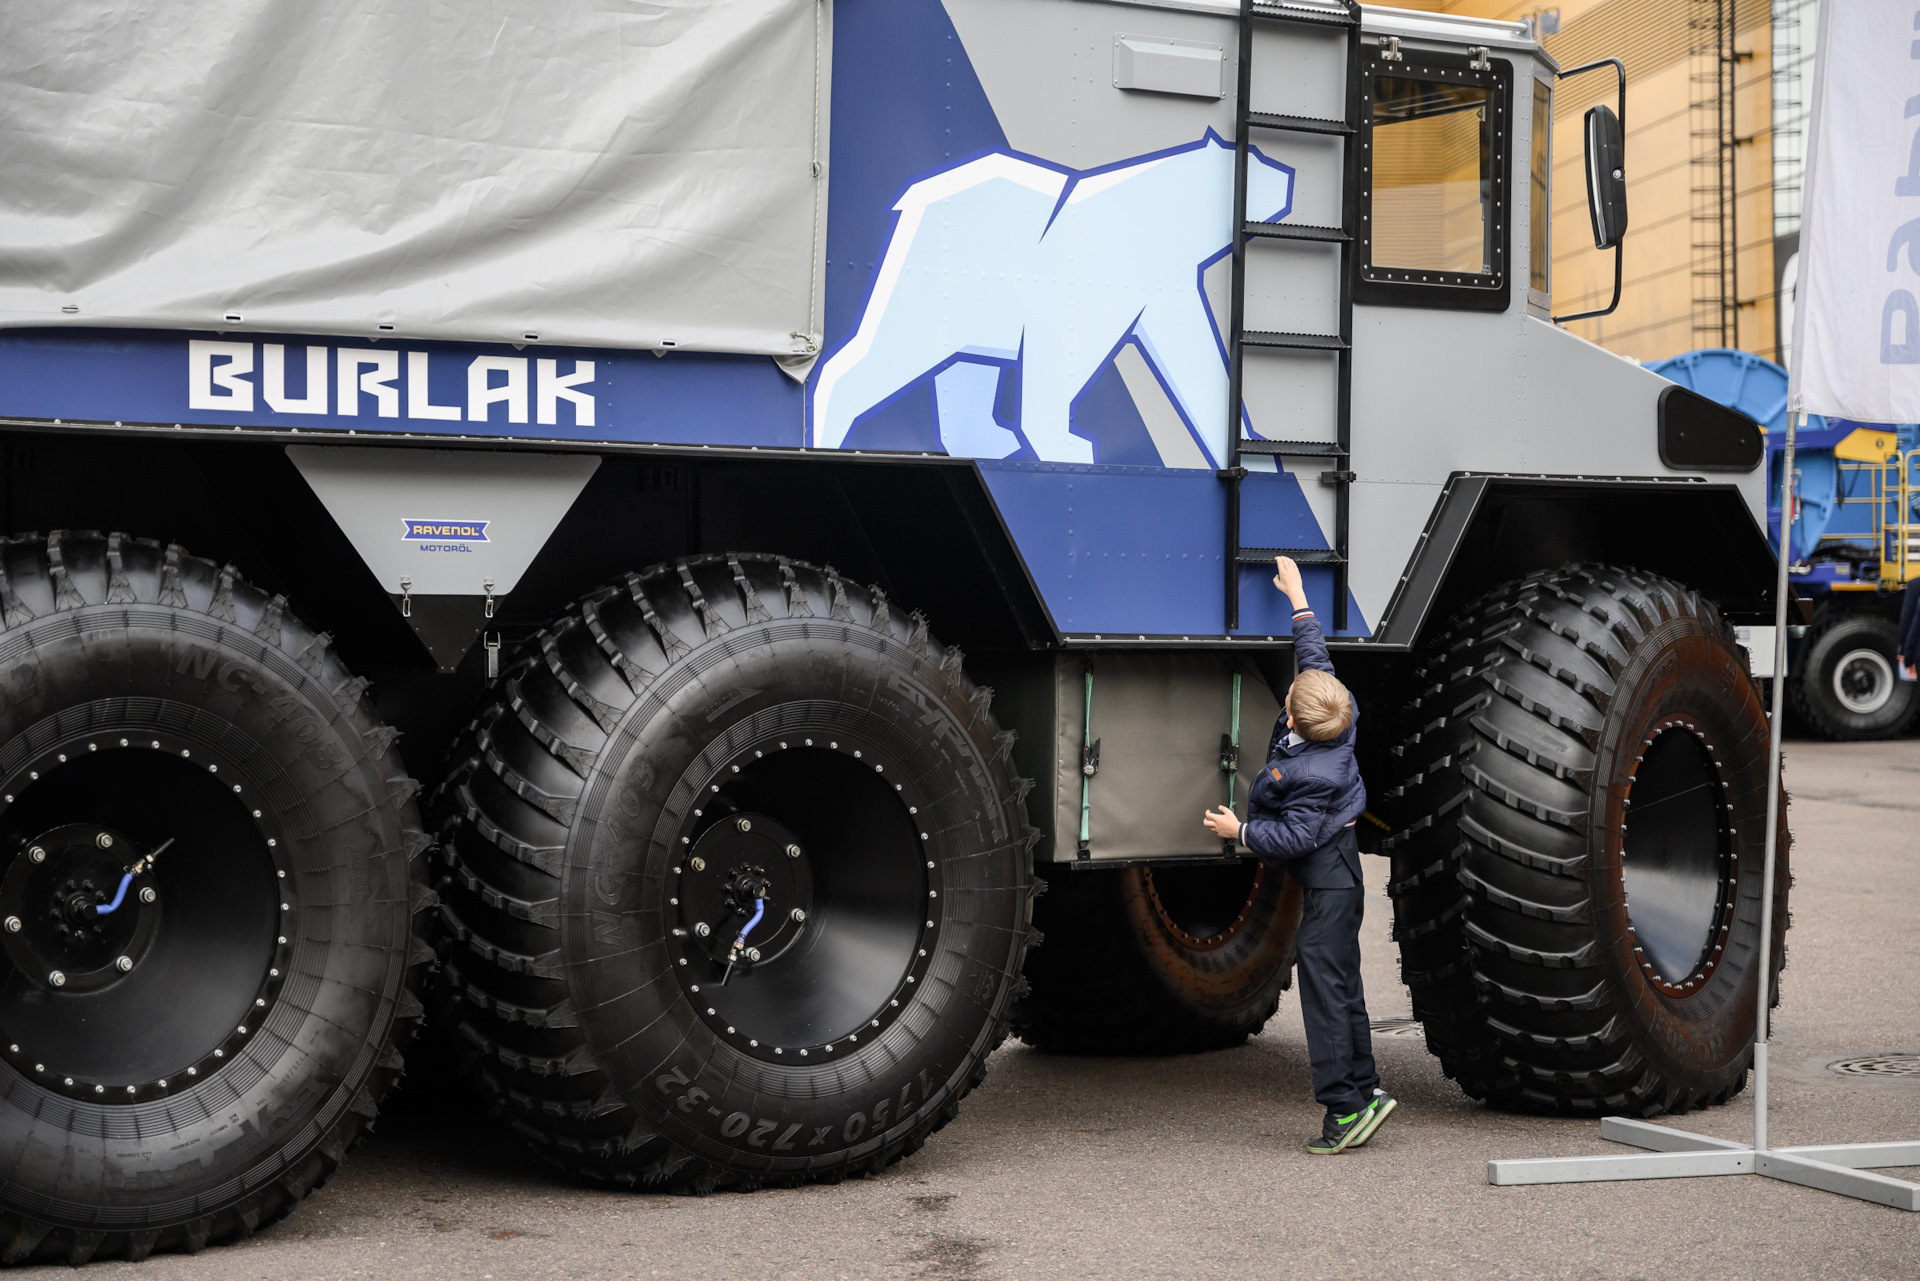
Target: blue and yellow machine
1855, 542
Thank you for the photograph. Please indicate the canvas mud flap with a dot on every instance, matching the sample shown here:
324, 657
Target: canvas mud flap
1138, 750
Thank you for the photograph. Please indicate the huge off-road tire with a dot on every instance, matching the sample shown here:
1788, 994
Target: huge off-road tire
1847, 685
184, 1068
718, 749
1581, 825
1168, 960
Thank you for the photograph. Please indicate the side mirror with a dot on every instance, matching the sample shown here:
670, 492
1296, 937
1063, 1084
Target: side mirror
1606, 181
1606, 177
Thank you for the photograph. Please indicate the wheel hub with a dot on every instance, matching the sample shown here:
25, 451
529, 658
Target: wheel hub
1204, 907
743, 863
1679, 870
1863, 681
803, 900
56, 933
145, 916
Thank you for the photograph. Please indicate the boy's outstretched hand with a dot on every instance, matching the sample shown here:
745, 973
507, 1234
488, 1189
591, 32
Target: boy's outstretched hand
1222, 823
1287, 579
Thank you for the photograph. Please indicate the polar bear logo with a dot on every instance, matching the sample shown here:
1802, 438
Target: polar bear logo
1005, 258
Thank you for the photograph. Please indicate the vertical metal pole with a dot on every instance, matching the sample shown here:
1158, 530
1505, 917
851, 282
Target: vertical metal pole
1765, 985
1729, 181
1236, 318
1907, 521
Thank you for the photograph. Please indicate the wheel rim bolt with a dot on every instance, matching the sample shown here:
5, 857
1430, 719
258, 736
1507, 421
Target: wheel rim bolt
57, 979
701, 928
124, 964
147, 895
104, 840
37, 854
753, 954
13, 925
745, 825
799, 914
697, 863
793, 851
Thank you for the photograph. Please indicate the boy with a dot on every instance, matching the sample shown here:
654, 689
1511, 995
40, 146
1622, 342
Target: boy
1300, 816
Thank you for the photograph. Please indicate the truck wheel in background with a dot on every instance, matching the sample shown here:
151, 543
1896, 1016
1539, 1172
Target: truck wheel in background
182, 1068
1162, 960
1847, 686
1580, 815
726, 749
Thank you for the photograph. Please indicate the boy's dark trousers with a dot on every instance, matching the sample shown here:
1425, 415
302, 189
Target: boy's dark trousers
1332, 1002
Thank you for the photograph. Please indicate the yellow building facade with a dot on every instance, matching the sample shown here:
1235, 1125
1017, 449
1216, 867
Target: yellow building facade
1684, 287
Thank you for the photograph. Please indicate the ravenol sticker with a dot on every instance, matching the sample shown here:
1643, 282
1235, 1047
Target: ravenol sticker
465, 531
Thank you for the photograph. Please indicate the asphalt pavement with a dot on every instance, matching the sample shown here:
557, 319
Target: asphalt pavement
1192, 1167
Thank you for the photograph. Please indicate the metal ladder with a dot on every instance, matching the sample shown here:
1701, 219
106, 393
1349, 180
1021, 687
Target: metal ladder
1240, 339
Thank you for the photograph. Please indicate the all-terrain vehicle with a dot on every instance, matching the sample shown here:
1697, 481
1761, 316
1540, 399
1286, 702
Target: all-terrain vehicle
677, 542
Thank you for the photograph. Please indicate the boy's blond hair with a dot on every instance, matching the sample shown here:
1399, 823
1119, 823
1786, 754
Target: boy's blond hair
1320, 705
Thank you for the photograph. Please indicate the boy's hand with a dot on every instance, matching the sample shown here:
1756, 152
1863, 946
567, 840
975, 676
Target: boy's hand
1287, 579
1222, 823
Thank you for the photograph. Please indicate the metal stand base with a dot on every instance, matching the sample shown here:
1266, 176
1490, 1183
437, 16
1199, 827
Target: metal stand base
1675, 1154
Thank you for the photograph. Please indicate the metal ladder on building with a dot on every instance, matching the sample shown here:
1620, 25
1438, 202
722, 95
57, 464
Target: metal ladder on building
1241, 340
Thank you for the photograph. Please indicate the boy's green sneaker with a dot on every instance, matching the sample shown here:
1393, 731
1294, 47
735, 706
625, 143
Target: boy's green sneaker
1337, 1132
1377, 1111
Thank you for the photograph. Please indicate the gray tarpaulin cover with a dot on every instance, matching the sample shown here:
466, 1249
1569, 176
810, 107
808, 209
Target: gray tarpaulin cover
600, 172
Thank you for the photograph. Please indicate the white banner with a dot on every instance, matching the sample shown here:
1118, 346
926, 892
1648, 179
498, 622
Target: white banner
1856, 341
590, 173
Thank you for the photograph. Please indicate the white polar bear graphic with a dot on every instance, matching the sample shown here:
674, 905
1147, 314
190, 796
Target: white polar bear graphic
1009, 259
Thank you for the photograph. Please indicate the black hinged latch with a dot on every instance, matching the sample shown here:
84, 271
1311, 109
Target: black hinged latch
1232, 473
1333, 479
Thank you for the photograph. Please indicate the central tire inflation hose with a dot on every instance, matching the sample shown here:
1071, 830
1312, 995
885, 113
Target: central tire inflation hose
119, 897
126, 879
759, 910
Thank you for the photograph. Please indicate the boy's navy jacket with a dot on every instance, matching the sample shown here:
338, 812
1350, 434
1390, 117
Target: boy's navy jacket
1309, 791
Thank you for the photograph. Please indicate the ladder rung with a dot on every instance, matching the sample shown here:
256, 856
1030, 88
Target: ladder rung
1294, 448
1304, 555
1297, 124
1293, 231
1312, 15
1306, 342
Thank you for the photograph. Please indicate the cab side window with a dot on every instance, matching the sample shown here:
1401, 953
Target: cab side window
1434, 207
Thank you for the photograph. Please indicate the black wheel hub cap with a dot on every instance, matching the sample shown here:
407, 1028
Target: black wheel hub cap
803, 900
1677, 858
746, 866
63, 925
159, 992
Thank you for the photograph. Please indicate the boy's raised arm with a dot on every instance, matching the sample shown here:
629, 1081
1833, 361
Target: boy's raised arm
1309, 644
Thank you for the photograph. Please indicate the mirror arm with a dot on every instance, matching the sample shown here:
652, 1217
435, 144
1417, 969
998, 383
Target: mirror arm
1607, 310
1619, 250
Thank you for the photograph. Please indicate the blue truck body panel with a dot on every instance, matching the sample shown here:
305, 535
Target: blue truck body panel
144, 376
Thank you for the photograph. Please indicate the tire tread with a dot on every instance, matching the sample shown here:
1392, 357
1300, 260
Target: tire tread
140, 570
502, 991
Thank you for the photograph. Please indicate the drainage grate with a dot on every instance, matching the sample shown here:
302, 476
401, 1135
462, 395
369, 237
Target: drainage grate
1878, 1065
1398, 1025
